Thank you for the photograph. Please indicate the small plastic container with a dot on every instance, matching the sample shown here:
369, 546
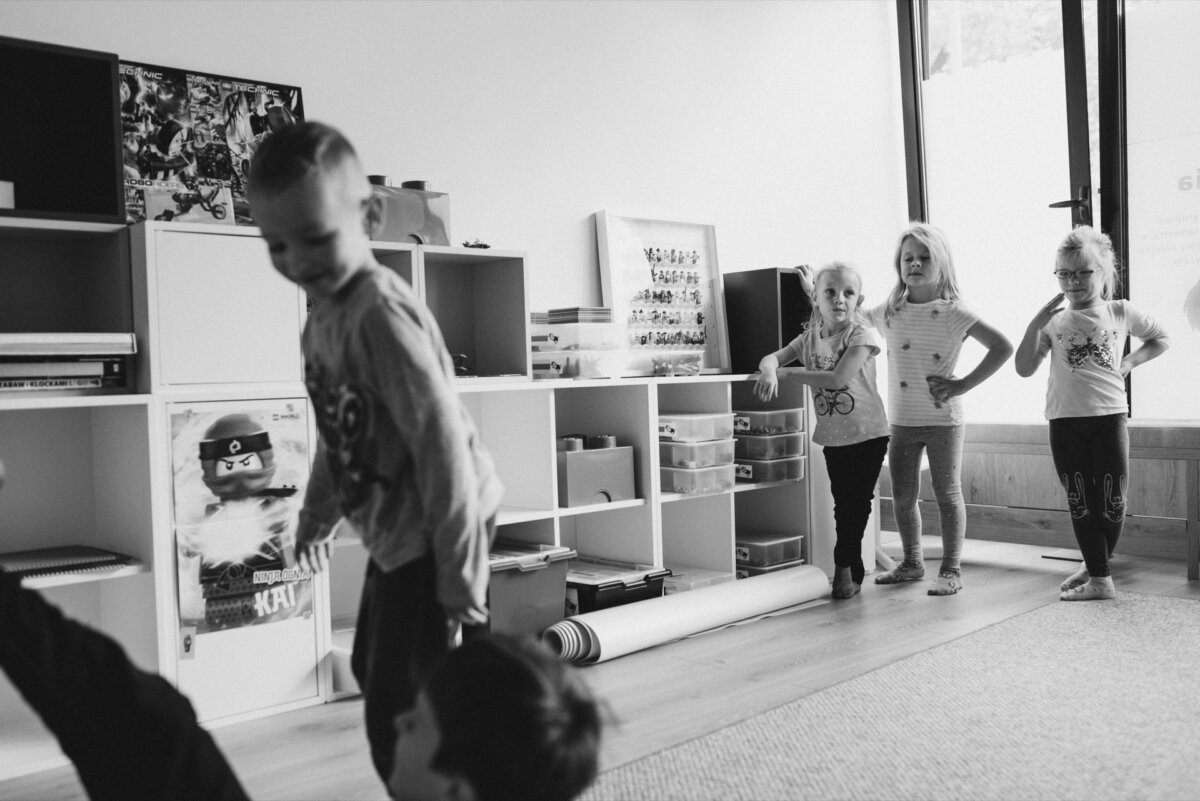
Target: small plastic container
695, 427
588, 336
778, 421
699, 480
696, 454
594, 584
790, 468
749, 571
685, 579
766, 548
768, 446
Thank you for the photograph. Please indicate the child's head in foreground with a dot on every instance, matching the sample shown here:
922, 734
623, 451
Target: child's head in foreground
1086, 248
499, 718
311, 200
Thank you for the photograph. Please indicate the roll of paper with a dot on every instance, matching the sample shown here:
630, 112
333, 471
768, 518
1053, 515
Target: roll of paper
7, 196
608, 633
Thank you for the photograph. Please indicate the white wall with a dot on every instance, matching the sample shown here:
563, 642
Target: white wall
777, 122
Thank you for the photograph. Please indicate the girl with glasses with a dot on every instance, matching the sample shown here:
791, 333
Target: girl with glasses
1085, 396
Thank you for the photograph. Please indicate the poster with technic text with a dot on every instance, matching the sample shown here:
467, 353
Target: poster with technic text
188, 138
239, 470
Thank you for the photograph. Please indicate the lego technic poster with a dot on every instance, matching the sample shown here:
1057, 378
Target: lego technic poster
188, 140
239, 472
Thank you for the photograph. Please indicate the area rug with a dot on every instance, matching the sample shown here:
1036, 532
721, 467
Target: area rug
1091, 700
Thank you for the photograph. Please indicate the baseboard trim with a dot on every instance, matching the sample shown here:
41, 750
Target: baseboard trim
1158, 537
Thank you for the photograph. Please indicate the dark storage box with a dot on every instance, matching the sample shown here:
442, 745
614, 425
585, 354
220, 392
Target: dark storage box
594, 584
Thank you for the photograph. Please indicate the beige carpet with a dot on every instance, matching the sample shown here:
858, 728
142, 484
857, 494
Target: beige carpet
1097, 700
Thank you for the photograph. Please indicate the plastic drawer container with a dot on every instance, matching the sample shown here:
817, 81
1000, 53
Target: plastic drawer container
763, 470
766, 548
685, 579
696, 454
588, 336
594, 584
699, 480
779, 421
749, 571
768, 446
528, 589
695, 427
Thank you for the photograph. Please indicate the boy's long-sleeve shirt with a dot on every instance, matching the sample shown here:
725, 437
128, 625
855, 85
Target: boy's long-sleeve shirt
398, 455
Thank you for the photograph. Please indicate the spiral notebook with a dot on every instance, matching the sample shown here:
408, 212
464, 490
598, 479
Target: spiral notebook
63, 559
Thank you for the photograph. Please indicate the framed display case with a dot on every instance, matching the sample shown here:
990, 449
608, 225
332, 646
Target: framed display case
663, 283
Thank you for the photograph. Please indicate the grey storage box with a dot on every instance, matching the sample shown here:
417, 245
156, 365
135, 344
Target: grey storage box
600, 475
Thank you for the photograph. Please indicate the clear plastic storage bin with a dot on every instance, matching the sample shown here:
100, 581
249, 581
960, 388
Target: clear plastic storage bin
696, 454
768, 446
766, 548
684, 579
697, 481
779, 421
695, 427
790, 468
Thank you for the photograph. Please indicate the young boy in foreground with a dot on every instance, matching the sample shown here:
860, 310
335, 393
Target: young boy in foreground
398, 455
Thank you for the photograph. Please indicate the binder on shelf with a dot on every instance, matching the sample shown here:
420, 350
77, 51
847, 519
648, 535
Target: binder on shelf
62, 559
66, 344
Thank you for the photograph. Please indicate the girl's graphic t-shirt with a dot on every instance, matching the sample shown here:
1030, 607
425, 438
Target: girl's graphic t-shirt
853, 413
923, 339
1085, 349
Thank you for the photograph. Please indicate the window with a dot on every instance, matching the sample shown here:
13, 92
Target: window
1011, 106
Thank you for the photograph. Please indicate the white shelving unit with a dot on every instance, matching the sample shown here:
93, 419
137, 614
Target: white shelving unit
79, 467
216, 325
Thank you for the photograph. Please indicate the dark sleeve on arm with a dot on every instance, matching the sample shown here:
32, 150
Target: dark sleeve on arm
130, 733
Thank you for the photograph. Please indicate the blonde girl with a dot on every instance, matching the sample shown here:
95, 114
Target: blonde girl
925, 324
838, 354
1085, 396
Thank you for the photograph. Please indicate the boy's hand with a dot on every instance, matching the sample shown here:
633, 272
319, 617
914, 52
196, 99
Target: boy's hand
312, 551
469, 615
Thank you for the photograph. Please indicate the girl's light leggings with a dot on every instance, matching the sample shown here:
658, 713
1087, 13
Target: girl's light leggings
943, 445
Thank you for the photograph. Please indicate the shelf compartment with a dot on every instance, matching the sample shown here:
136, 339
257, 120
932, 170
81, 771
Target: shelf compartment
479, 299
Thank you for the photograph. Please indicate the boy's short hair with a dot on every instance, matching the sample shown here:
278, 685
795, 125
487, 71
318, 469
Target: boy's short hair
294, 152
514, 720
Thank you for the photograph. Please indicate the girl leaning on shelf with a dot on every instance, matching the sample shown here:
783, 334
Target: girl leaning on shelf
838, 354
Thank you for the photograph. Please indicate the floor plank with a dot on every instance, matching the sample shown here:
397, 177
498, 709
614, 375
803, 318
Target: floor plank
666, 695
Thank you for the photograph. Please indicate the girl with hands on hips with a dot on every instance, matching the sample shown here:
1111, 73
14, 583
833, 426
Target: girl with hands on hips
1086, 404
925, 323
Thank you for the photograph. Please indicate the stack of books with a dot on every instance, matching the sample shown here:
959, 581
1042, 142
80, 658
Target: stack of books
581, 314
70, 361
62, 559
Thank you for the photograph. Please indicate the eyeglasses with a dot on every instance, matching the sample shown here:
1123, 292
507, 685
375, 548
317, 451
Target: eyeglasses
1067, 275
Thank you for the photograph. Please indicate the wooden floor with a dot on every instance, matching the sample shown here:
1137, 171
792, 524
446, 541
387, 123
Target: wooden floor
673, 693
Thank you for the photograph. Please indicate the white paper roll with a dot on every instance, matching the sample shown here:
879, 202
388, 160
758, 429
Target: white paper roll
7, 198
609, 633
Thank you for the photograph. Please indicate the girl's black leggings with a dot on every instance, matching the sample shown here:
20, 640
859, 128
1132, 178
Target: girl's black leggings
1091, 457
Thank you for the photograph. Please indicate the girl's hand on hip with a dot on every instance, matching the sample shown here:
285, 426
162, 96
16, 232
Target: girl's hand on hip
943, 388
